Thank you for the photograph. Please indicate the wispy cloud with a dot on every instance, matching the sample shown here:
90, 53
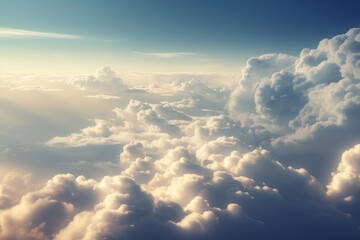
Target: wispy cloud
103, 96
165, 54
22, 33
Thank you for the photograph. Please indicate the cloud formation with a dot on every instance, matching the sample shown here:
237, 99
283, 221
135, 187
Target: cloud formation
268, 167
104, 81
304, 101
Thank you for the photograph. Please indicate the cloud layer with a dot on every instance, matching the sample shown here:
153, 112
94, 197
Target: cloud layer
281, 162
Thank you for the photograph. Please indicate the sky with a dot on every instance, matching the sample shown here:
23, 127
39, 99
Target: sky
179, 120
206, 36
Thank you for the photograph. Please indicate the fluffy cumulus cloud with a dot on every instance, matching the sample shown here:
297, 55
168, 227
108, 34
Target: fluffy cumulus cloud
138, 120
304, 101
345, 183
266, 167
12, 186
104, 81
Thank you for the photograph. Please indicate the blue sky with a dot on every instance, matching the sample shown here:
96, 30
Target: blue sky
220, 34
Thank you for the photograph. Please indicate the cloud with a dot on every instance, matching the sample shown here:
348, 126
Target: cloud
304, 101
260, 169
103, 96
48, 209
242, 104
12, 186
141, 120
161, 79
21, 33
346, 179
36, 88
241, 201
137, 121
203, 96
165, 54
345, 183
104, 82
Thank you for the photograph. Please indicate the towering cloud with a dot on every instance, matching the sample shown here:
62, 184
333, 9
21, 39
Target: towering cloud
312, 99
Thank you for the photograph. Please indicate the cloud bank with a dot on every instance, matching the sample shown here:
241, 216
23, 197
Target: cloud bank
281, 162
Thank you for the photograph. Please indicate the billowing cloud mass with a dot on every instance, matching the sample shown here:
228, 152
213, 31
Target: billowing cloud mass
310, 104
275, 157
104, 81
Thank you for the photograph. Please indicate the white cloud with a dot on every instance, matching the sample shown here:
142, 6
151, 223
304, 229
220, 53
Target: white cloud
346, 180
103, 96
137, 121
104, 81
165, 54
42, 213
304, 101
36, 88
21, 33
345, 183
12, 186
190, 174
